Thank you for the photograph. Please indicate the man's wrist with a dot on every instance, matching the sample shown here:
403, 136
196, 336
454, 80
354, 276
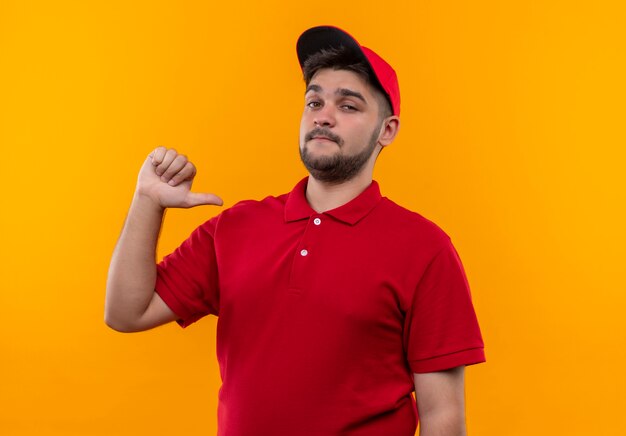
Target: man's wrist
146, 204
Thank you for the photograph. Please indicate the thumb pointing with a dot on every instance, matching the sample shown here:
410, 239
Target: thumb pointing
198, 199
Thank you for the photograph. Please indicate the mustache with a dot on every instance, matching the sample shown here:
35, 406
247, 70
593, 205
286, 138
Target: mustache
320, 131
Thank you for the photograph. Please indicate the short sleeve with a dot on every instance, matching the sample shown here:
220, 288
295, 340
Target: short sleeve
441, 327
187, 279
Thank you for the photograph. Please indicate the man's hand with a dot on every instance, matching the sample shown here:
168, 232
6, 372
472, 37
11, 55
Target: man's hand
131, 302
166, 177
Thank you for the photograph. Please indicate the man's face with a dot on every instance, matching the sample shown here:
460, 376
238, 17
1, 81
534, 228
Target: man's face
340, 125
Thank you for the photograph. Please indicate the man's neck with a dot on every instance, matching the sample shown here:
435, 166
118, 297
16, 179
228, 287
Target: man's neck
324, 196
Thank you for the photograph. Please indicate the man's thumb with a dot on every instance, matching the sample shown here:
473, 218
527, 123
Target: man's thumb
198, 199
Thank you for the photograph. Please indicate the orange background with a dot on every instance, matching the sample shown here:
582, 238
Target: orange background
512, 140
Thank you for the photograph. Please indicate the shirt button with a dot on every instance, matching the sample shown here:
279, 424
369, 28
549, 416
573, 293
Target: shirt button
304, 253
317, 221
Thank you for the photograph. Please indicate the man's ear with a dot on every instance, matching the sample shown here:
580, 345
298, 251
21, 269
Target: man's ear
389, 130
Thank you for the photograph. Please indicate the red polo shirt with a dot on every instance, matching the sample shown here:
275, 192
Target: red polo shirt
323, 317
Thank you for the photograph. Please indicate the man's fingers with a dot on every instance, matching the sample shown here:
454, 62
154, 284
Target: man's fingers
175, 167
198, 199
157, 155
169, 157
188, 172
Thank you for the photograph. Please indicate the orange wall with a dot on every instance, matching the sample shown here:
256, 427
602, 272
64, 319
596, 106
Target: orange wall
512, 140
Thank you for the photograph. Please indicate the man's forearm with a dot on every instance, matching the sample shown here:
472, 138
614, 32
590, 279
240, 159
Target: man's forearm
132, 272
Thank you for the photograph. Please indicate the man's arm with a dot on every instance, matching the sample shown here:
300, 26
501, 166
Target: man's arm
164, 181
440, 400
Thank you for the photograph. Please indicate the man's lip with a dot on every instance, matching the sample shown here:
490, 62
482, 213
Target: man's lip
323, 137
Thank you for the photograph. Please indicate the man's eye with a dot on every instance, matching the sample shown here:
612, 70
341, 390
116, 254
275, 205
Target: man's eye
348, 107
314, 104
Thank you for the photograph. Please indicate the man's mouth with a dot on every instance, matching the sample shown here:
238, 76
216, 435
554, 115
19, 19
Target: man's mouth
323, 135
323, 138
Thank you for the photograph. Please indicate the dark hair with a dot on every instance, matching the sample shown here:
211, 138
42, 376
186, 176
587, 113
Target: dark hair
342, 59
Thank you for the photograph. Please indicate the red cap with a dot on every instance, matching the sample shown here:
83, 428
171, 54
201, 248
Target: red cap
324, 37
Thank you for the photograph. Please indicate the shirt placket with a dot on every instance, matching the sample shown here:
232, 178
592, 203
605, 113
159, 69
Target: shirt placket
306, 254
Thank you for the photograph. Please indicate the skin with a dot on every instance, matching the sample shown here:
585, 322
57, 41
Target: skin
344, 126
354, 121
344, 164
164, 181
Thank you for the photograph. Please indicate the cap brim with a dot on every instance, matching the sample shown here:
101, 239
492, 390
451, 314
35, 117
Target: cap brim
325, 37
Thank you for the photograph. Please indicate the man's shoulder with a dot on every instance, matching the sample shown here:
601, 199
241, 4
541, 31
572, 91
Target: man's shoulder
400, 219
271, 201
256, 208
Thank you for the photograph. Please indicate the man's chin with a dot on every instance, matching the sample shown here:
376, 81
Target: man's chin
331, 177
321, 156
325, 169
322, 162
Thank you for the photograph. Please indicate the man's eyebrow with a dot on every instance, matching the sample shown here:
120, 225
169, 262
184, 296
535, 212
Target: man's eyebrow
345, 92
350, 93
315, 88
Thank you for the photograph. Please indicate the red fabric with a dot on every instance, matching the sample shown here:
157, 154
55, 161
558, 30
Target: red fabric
323, 341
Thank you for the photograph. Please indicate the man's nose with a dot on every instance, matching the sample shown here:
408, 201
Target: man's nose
325, 116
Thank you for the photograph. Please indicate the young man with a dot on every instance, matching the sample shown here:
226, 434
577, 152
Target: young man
334, 303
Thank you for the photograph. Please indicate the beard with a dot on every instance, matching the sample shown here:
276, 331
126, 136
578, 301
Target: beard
337, 168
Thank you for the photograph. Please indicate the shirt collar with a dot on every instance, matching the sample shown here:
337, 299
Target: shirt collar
297, 207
